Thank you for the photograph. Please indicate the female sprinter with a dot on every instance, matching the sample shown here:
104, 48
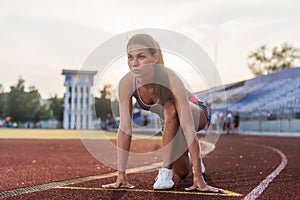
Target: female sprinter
160, 90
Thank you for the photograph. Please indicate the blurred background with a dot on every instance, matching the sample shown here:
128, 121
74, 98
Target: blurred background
253, 44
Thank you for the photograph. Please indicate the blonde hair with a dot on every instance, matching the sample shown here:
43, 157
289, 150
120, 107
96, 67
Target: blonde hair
161, 79
147, 41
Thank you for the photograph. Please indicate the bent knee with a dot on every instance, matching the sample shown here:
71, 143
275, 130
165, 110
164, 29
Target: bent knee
182, 174
203, 120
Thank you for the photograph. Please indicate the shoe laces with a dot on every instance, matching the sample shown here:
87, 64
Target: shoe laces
164, 175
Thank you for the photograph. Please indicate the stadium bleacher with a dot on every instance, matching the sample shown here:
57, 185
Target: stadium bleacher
276, 95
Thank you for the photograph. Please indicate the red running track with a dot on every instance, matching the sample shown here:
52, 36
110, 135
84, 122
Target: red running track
239, 164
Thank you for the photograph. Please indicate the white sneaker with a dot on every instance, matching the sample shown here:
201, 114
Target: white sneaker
163, 179
202, 164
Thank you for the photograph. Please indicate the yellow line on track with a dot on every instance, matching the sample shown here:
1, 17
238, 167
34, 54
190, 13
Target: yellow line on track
63, 184
61, 134
226, 192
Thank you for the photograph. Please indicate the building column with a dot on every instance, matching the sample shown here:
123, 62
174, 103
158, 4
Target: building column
72, 110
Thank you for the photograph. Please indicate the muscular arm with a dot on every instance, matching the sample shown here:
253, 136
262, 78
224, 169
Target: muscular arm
124, 132
125, 128
124, 141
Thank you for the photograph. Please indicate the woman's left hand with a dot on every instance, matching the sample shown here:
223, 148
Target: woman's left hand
200, 184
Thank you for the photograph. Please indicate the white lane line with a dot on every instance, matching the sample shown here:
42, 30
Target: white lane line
37, 188
264, 184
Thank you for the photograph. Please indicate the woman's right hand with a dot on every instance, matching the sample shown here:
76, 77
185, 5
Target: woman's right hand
200, 184
121, 182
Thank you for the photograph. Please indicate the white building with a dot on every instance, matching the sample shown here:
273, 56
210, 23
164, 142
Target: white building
78, 100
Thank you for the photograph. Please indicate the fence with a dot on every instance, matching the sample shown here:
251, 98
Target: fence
281, 125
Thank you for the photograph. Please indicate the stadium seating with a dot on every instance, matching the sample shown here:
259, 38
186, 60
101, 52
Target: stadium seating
274, 95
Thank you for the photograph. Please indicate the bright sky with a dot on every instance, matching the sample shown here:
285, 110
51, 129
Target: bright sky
39, 38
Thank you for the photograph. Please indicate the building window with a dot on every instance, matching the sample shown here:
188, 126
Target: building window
69, 121
81, 102
87, 121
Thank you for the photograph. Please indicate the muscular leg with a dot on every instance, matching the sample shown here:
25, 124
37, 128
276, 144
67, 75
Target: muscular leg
171, 127
177, 150
182, 165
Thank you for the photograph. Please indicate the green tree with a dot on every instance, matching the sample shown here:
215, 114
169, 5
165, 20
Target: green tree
103, 104
115, 107
36, 112
2, 96
56, 107
43, 113
265, 60
106, 92
24, 106
14, 102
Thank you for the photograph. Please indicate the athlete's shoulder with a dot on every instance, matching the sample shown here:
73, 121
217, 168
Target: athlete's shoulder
126, 80
125, 86
173, 76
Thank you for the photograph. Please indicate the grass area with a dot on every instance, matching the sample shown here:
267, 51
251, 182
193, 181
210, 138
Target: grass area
54, 134
63, 134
